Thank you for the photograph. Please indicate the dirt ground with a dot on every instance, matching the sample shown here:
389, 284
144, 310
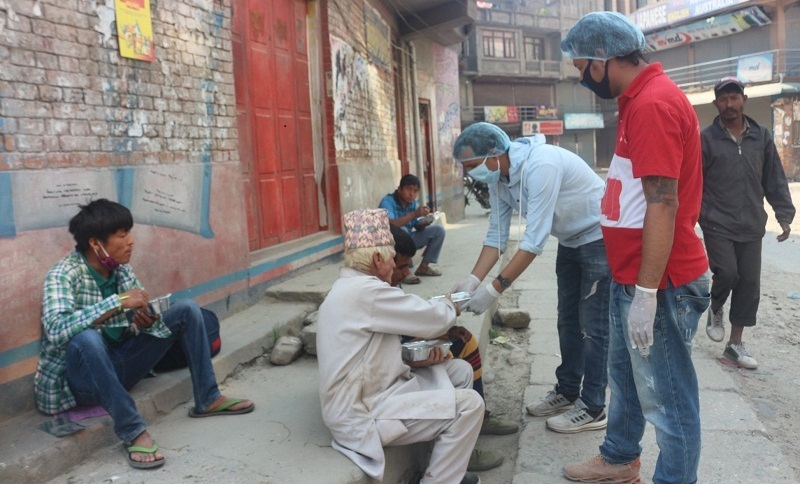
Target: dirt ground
508, 369
774, 388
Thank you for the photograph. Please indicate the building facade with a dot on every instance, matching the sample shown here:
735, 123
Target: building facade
756, 41
237, 132
513, 74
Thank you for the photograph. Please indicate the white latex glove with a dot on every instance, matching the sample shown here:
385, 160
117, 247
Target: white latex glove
641, 318
467, 285
482, 299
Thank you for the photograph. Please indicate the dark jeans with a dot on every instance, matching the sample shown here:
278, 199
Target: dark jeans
737, 273
583, 283
432, 238
100, 373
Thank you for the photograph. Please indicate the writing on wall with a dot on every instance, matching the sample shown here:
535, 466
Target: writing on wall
175, 196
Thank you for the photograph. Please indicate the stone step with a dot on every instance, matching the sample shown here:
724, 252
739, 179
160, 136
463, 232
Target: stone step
28, 454
291, 406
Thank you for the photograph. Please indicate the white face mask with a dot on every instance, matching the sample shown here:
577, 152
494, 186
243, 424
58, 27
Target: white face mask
484, 174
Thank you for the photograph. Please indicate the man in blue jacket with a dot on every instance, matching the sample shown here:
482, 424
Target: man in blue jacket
741, 167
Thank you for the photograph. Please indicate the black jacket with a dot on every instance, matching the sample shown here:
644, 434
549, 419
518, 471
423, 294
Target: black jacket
736, 179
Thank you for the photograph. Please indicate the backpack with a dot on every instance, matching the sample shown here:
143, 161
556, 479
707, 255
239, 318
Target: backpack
175, 358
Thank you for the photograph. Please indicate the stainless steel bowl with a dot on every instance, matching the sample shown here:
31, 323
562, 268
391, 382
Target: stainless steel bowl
458, 298
159, 305
421, 350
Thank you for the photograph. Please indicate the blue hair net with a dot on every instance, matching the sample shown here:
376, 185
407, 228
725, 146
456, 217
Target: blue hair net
480, 140
601, 36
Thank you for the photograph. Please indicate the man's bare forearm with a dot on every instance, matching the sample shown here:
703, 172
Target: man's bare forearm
661, 195
486, 261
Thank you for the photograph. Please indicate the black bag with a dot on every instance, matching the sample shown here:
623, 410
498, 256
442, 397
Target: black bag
175, 358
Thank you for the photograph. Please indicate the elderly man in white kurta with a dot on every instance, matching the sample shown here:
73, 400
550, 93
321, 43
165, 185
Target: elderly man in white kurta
370, 397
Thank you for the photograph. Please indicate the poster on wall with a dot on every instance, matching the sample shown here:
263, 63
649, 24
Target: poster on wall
135, 29
501, 114
349, 79
378, 37
36, 200
530, 128
173, 196
583, 121
547, 112
755, 68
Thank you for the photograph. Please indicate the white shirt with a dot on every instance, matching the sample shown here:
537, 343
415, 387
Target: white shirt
365, 388
560, 196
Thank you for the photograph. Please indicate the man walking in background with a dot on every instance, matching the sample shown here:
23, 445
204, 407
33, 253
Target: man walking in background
741, 167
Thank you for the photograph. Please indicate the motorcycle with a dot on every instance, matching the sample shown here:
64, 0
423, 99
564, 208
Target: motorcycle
479, 191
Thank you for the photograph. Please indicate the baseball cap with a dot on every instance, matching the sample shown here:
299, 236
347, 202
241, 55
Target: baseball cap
726, 82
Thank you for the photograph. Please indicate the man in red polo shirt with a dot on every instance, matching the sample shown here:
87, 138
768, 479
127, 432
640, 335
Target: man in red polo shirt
658, 264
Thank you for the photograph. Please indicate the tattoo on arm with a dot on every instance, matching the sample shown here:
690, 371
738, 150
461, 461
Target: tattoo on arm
659, 189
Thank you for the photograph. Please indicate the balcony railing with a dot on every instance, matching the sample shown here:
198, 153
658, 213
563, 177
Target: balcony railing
701, 77
517, 68
474, 114
497, 17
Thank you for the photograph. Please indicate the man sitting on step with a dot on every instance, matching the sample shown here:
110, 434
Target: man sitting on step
405, 212
370, 397
464, 347
100, 335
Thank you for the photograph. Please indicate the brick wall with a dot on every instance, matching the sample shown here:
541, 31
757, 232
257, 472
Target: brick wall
67, 98
361, 110
70, 104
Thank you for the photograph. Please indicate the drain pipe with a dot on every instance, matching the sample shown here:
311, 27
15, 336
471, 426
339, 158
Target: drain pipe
418, 142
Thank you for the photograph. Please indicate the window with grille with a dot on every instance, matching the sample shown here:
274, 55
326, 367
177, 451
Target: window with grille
533, 48
497, 43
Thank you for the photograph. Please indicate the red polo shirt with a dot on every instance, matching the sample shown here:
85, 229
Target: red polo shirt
658, 135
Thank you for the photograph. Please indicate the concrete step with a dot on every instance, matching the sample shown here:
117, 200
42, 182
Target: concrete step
311, 286
28, 454
287, 424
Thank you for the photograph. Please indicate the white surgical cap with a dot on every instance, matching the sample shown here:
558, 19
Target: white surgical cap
601, 36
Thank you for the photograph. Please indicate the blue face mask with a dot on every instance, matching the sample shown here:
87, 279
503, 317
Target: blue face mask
484, 174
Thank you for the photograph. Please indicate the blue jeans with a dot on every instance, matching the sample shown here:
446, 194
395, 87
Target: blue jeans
100, 373
432, 238
583, 284
661, 388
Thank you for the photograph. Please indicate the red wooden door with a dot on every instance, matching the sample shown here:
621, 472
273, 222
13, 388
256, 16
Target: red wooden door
270, 60
427, 152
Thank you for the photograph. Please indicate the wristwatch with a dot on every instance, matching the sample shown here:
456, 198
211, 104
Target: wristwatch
504, 283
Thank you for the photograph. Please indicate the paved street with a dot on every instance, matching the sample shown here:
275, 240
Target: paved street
268, 445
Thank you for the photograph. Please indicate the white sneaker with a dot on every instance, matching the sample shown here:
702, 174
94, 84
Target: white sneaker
739, 355
551, 403
577, 420
715, 327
